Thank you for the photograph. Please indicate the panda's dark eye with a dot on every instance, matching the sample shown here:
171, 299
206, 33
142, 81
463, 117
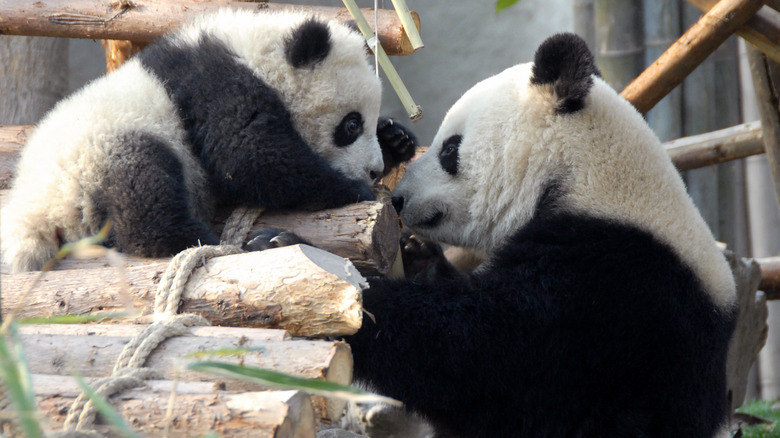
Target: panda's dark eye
448, 157
349, 129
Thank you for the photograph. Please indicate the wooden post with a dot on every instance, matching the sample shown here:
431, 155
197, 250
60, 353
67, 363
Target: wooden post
301, 289
688, 52
766, 76
145, 20
119, 51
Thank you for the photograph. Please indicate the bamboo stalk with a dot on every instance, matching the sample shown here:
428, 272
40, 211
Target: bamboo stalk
408, 21
145, 20
688, 51
762, 30
620, 46
414, 110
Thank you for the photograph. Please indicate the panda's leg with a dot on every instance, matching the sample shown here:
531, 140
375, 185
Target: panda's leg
147, 200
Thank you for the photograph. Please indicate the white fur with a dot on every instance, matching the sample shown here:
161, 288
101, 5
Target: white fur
513, 143
63, 161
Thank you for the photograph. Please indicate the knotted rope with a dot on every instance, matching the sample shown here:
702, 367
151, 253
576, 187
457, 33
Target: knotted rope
128, 371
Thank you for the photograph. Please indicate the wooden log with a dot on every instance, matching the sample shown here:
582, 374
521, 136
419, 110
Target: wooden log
304, 290
770, 277
197, 409
761, 30
716, 147
688, 51
145, 20
92, 350
119, 51
12, 139
750, 332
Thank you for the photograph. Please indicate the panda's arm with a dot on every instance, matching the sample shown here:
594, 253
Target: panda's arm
262, 166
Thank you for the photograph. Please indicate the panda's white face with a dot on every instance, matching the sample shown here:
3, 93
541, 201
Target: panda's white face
469, 189
334, 100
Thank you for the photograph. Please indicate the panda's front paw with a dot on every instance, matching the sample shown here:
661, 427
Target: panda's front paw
269, 238
423, 258
397, 142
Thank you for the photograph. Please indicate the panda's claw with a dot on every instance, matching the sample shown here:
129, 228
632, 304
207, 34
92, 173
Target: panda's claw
268, 238
397, 142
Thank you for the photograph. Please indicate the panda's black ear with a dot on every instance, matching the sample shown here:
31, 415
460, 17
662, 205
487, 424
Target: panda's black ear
308, 44
565, 62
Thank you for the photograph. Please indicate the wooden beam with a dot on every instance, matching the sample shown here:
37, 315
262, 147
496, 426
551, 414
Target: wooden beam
145, 20
716, 147
761, 30
304, 290
688, 52
770, 277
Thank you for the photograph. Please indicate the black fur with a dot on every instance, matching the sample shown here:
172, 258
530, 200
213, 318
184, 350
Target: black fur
242, 132
308, 44
398, 143
565, 62
145, 198
449, 156
579, 328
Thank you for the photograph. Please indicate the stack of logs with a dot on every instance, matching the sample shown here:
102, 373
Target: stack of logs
279, 298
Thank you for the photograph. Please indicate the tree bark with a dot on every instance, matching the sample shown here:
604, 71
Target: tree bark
761, 30
197, 409
92, 350
688, 51
301, 289
145, 20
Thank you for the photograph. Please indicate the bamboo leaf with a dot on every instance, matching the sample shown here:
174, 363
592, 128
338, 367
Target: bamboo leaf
503, 4
279, 380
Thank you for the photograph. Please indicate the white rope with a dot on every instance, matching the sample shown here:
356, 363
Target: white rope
128, 371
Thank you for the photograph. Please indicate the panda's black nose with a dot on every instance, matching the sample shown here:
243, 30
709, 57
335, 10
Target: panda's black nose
398, 203
374, 175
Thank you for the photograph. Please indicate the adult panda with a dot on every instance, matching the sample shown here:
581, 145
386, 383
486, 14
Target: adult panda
604, 308
277, 110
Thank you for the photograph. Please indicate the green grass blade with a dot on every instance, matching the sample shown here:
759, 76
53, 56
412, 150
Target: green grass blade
104, 407
279, 380
14, 372
72, 319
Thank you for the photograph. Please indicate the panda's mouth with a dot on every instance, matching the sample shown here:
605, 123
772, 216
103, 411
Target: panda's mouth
431, 221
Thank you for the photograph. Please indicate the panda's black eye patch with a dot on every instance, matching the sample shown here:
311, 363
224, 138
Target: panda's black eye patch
349, 129
448, 157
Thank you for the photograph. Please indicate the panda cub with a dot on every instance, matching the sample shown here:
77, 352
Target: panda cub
604, 308
239, 108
